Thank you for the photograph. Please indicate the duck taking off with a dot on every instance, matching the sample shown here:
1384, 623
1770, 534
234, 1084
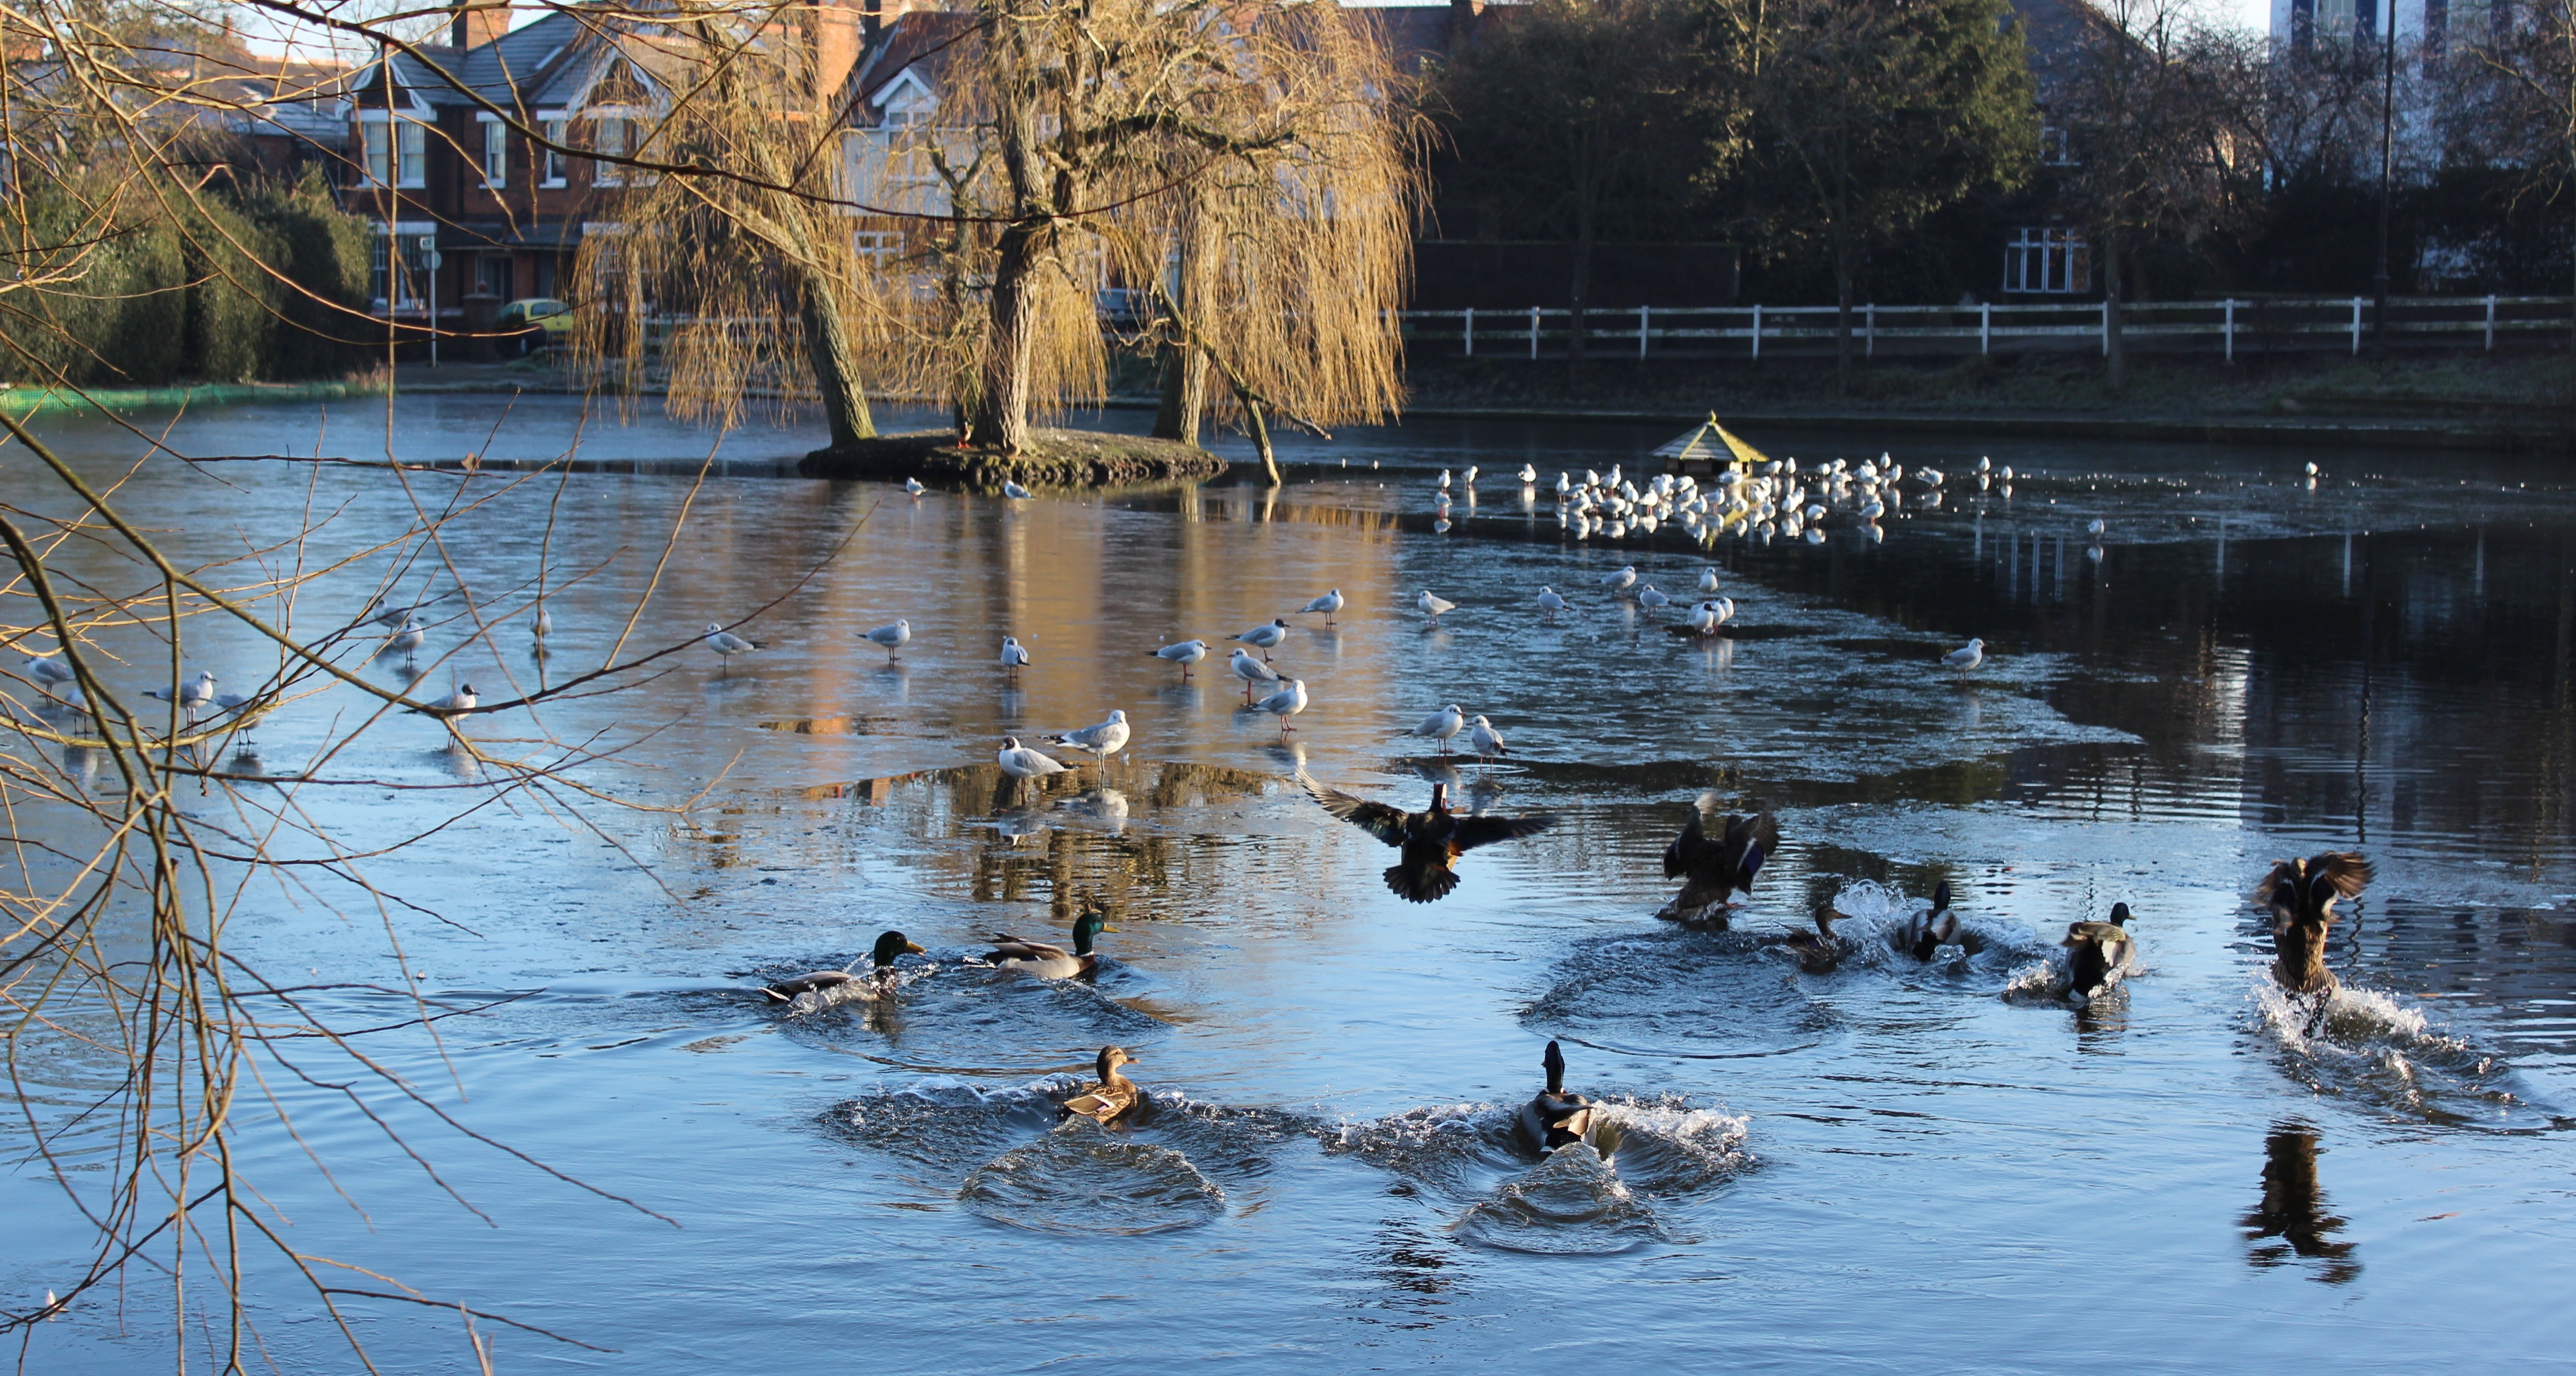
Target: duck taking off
2302, 894
1927, 932
1717, 865
1114, 1096
824, 988
2096, 953
1559, 1117
1430, 841
1047, 960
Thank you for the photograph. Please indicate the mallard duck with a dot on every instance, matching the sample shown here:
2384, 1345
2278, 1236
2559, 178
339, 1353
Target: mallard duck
836, 985
2302, 894
2095, 951
1115, 1096
1718, 865
1821, 946
1430, 841
1049, 961
1560, 1117
1927, 932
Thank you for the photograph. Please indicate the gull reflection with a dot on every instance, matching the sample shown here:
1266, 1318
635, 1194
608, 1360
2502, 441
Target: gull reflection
894, 679
1179, 696
1290, 755
2294, 1210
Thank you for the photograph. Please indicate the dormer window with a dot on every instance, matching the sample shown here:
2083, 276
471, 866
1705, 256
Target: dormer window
906, 102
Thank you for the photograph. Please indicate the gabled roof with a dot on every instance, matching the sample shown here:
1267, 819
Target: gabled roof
917, 41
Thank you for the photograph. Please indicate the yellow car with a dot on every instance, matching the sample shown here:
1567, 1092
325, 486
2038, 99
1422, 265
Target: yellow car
539, 321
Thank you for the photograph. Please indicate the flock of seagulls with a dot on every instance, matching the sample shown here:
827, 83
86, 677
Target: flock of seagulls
1768, 499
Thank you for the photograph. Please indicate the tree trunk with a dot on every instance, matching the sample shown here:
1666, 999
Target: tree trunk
1259, 429
2115, 349
836, 368
1842, 323
1184, 394
1002, 412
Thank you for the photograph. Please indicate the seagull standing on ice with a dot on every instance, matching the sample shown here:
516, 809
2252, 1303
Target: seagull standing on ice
1264, 638
1528, 476
1441, 725
1020, 762
1184, 654
1550, 603
193, 694
50, 669
1487, 740
462, 700
1285, 703
1015, 657
893, 637
1966, 657
543, 623
1328, 604
1653, 601
407, 639
1434, 605
1251, 671
1104, 740
913, 486
1708, 579
1620, 581
726, 644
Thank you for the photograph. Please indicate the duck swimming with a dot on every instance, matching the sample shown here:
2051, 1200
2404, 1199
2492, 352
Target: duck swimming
1115, 1096
1718, 865
1819, 948
2302, 894
1927, 932
2095, 952
1048, 961
823, 988
1559, 1117
1430, 841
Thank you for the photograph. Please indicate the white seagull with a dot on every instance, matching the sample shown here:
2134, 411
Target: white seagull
1444, 480
1015, 491
726, 644
1441, 725
1550, 602
892, 637
1285, 703
1469, 479
1251, 671
1264, 638
1020, 762
1620, 581
1434, 605
1015, 656
462, 700
1104, 740
543, 623
1966, 657
1328, 604
194, 693
1487, 740
914, 487
1653, 601
408, 638
50, 669
1528, 476
1708, 579
1184, 654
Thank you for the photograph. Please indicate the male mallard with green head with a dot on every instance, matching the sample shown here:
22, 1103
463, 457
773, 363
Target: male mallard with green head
1047, 961
1924, 933
2095, 951
1560, 1117
823, 988
1115, 1096
2302, 894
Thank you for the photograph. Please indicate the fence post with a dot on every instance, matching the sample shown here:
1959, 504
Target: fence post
2356, 327
2231, 329
1869, 331
1471, 332
2106, 327
2491, 324
1533, 331
1757, 329
1641, 331
1985, 327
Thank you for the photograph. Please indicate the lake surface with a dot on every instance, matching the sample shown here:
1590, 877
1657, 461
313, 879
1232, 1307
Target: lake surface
1876, 1165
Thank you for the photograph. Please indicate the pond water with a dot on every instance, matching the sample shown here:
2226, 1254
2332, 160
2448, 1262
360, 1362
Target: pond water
1873, 1164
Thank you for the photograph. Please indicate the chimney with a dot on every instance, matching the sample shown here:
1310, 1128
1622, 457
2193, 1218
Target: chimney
840, 31
477, 22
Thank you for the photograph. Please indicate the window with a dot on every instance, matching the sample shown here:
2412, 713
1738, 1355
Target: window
2054, 261
399, 147
554, 159
411, 147
608, 136
411, 281
496, 154
2053, 148
492, 274
379, 151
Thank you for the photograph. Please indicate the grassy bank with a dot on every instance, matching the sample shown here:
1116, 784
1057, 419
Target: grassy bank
26, 401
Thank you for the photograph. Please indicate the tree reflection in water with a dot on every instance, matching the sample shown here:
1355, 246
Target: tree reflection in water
2294, 1210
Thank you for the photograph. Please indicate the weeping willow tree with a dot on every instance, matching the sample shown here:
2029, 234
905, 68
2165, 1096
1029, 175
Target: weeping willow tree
745, 283
1242, 168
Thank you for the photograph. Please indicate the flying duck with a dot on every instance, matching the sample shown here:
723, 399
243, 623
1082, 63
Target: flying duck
1115, 1096
823, 988
2302, 894
2095, 951
1048, 961
1430, 841
1718, 865
1559, 1117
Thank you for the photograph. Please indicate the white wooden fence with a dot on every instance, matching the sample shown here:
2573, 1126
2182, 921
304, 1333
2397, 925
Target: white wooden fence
2223, 327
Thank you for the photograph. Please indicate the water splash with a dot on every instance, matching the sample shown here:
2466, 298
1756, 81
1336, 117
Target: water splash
2366, 1045
1084, 1178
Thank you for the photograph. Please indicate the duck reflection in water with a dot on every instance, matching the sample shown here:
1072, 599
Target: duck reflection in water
2294, 1210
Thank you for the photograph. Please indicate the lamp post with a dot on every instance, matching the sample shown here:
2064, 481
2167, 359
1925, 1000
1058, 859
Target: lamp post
2387, 142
